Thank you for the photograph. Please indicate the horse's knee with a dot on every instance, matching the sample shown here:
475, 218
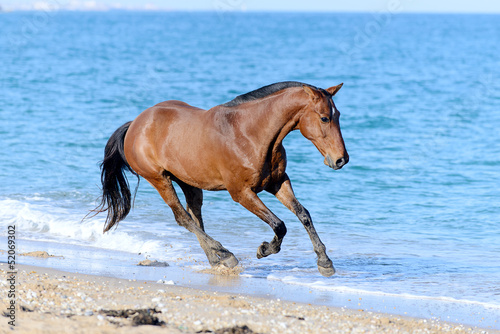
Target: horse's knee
305, 218
280, 230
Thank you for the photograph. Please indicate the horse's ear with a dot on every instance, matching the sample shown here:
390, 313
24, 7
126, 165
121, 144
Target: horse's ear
333, 90
315, 95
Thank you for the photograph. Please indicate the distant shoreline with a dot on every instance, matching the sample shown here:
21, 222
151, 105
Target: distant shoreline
227, 11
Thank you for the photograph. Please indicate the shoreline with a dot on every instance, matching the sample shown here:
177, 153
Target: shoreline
182, 272
64, 301
95, 265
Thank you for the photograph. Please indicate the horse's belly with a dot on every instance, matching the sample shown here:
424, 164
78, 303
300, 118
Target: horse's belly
199, 179
194, 170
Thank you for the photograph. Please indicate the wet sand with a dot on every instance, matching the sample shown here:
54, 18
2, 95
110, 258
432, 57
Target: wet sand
52, 301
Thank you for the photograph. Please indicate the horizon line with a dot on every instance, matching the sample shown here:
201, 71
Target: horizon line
230, 10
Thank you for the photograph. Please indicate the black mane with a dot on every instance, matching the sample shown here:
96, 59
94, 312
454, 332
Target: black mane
263, 92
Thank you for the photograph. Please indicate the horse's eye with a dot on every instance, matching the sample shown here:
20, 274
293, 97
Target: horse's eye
325, 119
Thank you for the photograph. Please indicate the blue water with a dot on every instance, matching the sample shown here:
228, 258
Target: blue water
415, 212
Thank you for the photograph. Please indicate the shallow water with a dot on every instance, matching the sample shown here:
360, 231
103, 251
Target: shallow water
414, 213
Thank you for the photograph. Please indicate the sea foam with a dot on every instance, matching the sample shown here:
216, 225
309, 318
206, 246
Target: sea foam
49, 222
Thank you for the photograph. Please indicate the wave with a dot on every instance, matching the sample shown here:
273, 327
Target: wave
44, 221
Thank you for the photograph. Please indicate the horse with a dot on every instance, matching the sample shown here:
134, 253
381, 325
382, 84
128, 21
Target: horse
236, 146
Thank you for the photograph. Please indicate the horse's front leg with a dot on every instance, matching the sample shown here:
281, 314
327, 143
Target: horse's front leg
249, 199
284, 192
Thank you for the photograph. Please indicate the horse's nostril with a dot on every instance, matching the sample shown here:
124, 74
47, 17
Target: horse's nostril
340, 162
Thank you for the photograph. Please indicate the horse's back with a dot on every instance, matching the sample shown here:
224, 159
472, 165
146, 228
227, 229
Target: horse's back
165, 114
176, 137
171, 109
176, 104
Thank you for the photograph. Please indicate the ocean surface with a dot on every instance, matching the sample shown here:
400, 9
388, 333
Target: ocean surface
415, 213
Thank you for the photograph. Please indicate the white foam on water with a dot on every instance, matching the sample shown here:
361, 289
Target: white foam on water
49, 222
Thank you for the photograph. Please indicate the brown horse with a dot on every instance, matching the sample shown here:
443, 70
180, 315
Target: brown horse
236, 146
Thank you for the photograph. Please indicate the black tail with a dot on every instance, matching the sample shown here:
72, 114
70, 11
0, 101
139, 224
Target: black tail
116, 197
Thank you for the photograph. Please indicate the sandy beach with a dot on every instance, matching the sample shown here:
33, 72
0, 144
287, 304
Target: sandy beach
52, 301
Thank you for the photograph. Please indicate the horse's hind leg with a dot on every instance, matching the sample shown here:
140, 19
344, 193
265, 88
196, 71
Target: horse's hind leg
194, 201
216, 254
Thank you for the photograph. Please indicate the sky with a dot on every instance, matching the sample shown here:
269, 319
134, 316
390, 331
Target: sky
439, 6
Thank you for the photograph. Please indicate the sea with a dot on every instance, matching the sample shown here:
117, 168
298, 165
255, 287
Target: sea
414, 215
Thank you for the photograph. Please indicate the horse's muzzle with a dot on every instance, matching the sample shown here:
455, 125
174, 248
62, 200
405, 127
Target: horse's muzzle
337, 164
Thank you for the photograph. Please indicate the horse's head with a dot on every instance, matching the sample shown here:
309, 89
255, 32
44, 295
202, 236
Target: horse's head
320, 124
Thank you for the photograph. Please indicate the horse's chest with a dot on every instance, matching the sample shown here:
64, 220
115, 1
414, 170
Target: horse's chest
272, 171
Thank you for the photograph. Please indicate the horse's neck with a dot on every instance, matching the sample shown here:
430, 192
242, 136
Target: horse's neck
283, 114
269, 119
275, 117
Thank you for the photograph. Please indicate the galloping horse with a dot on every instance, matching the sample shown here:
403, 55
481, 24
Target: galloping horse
236, 146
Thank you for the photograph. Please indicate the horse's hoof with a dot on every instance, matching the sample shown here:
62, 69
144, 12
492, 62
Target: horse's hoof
326, 271
262, 250
229, 261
